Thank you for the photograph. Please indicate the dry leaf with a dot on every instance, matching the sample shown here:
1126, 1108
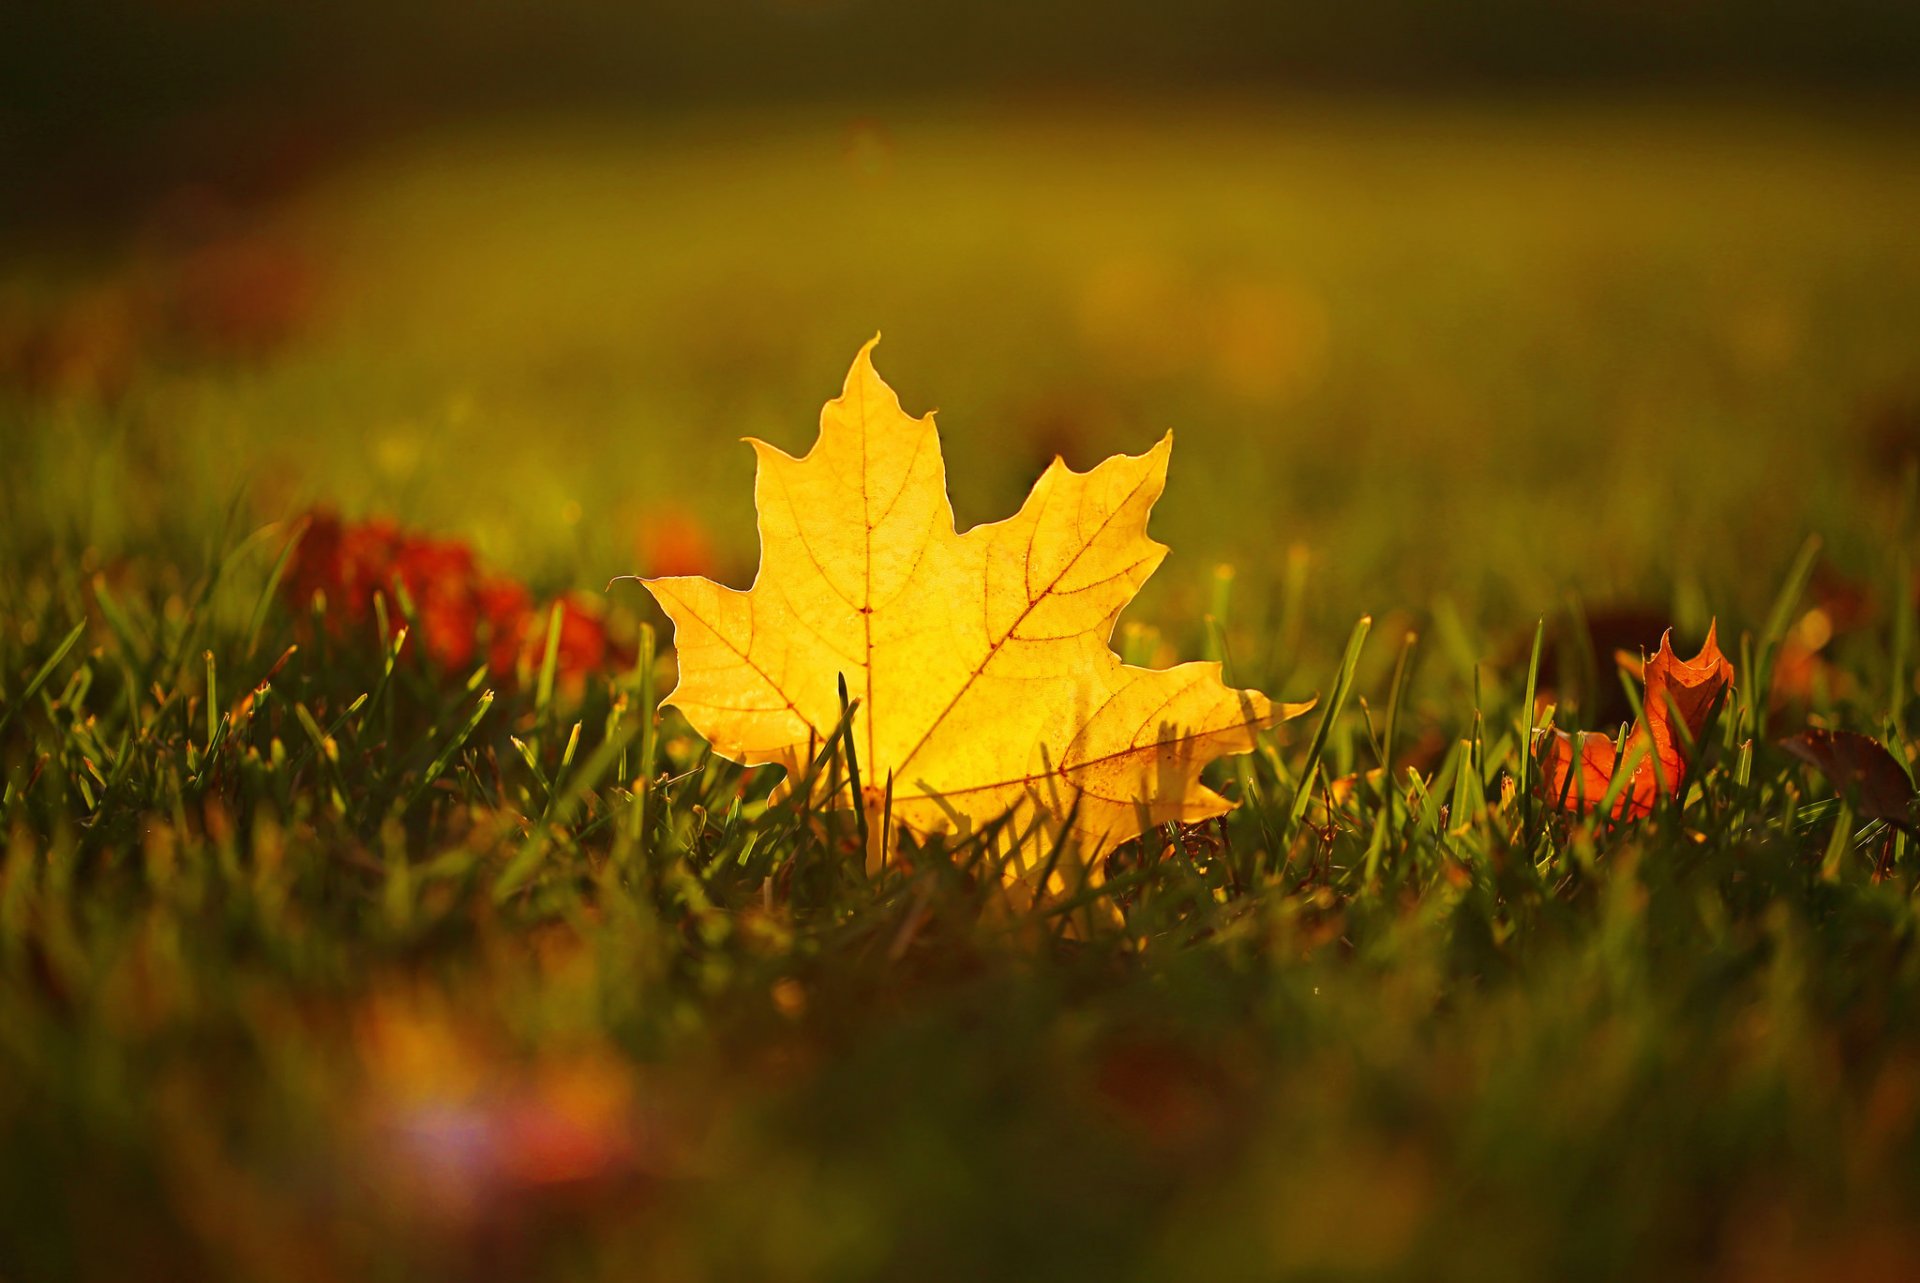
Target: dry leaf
1679, 693
1860, 768
980, 662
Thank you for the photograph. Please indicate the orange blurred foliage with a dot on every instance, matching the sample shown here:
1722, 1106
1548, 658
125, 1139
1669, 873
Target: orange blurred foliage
462, 614
672, 541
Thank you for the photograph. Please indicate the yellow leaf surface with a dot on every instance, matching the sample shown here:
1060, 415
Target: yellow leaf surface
980, 662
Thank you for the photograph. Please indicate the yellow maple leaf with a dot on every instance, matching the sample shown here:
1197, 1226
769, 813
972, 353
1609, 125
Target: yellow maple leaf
980, 663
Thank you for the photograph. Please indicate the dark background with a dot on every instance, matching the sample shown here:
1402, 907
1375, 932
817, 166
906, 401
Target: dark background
104, 100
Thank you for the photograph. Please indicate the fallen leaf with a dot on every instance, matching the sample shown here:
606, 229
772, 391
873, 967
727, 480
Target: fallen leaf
980, 662
463, 614
1679, 693
1860, 768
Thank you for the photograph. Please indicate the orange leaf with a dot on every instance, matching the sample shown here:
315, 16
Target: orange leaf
1680, 697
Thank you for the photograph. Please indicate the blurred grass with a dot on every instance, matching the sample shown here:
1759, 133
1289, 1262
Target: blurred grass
1504, 350
324, 989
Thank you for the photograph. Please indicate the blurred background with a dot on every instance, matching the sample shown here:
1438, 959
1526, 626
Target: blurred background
1497, 299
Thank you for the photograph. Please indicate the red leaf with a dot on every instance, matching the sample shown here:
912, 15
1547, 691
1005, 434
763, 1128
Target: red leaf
462, 615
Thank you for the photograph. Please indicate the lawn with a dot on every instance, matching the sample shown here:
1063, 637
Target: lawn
322, 958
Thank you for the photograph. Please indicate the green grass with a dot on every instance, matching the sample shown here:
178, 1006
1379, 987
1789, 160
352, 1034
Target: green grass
391, 974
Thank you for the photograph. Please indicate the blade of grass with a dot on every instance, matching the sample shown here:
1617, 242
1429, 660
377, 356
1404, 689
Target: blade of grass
853, 764
1396, 695
445, 756
549, 659
267, 591
45, 671
1343, 683
1526, 737
1779, 618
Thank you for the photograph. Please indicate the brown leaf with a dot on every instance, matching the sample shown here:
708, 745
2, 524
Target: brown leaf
1871, 778
1679, 694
